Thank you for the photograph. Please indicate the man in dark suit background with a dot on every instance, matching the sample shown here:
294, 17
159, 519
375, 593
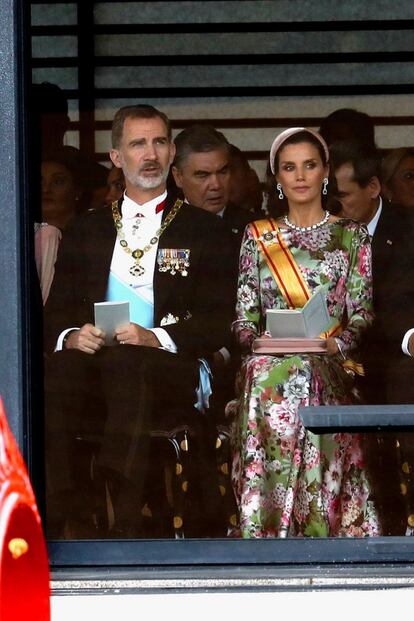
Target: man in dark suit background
245, 187
170, 261
202, 170
389, 346
356, 172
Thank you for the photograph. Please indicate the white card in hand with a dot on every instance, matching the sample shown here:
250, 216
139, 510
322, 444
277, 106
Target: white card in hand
109, 316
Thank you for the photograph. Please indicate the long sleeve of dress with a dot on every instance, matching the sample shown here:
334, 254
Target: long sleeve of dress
358, 284
247, 325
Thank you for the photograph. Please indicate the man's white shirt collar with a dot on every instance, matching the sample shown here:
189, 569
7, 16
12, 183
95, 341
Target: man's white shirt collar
371, 226
130, 208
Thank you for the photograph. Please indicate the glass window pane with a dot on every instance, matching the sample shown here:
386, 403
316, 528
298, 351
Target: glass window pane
127, 452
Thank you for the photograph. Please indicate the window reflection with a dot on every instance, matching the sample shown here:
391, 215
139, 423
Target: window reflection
285, 481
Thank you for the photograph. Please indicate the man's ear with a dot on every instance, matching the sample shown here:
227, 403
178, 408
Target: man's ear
374, 186
114, 155
177, 177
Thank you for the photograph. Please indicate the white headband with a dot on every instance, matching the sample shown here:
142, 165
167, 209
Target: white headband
281, 138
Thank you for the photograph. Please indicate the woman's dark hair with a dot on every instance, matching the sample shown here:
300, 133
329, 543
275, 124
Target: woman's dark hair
72, 160
275, 206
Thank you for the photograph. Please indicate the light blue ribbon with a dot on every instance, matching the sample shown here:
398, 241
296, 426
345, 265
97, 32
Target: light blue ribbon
141, 311
203, 391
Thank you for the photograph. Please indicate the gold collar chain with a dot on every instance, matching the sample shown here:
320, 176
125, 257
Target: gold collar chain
138, 253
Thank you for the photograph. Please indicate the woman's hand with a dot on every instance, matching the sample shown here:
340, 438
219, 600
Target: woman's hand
331, 346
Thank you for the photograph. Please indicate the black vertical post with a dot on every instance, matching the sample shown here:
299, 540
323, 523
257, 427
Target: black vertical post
86, 78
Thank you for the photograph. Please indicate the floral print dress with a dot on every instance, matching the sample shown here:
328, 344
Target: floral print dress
287, 480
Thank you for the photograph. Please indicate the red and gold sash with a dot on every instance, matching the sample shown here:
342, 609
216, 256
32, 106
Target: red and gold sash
281, 264
288, 276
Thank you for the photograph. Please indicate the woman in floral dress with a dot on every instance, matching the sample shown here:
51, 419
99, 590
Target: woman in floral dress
289, 481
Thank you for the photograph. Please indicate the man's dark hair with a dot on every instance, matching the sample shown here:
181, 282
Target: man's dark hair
198, 139
48, 98
348, 124
139, 111
238, 158
365, 160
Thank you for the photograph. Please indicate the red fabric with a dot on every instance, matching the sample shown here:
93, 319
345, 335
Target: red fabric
160, 206
24, 570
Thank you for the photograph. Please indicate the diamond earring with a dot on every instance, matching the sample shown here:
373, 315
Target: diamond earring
325, 186
279, 187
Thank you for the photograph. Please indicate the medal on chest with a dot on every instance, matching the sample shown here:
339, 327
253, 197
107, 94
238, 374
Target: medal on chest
174, 260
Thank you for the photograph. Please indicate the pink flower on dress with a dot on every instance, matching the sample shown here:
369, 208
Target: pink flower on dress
252, 425
254, 469
250, 499
333, 478
297, 457
364, 261
354, 453
287, 445
251, 443
371, 526
275, 465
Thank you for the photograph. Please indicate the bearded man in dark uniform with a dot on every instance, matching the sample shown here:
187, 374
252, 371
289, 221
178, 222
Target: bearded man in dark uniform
169, 261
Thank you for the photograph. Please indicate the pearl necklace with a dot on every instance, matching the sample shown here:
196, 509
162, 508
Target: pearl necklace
305, 229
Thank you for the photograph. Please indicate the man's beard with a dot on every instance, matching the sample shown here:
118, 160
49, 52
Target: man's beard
138, 180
